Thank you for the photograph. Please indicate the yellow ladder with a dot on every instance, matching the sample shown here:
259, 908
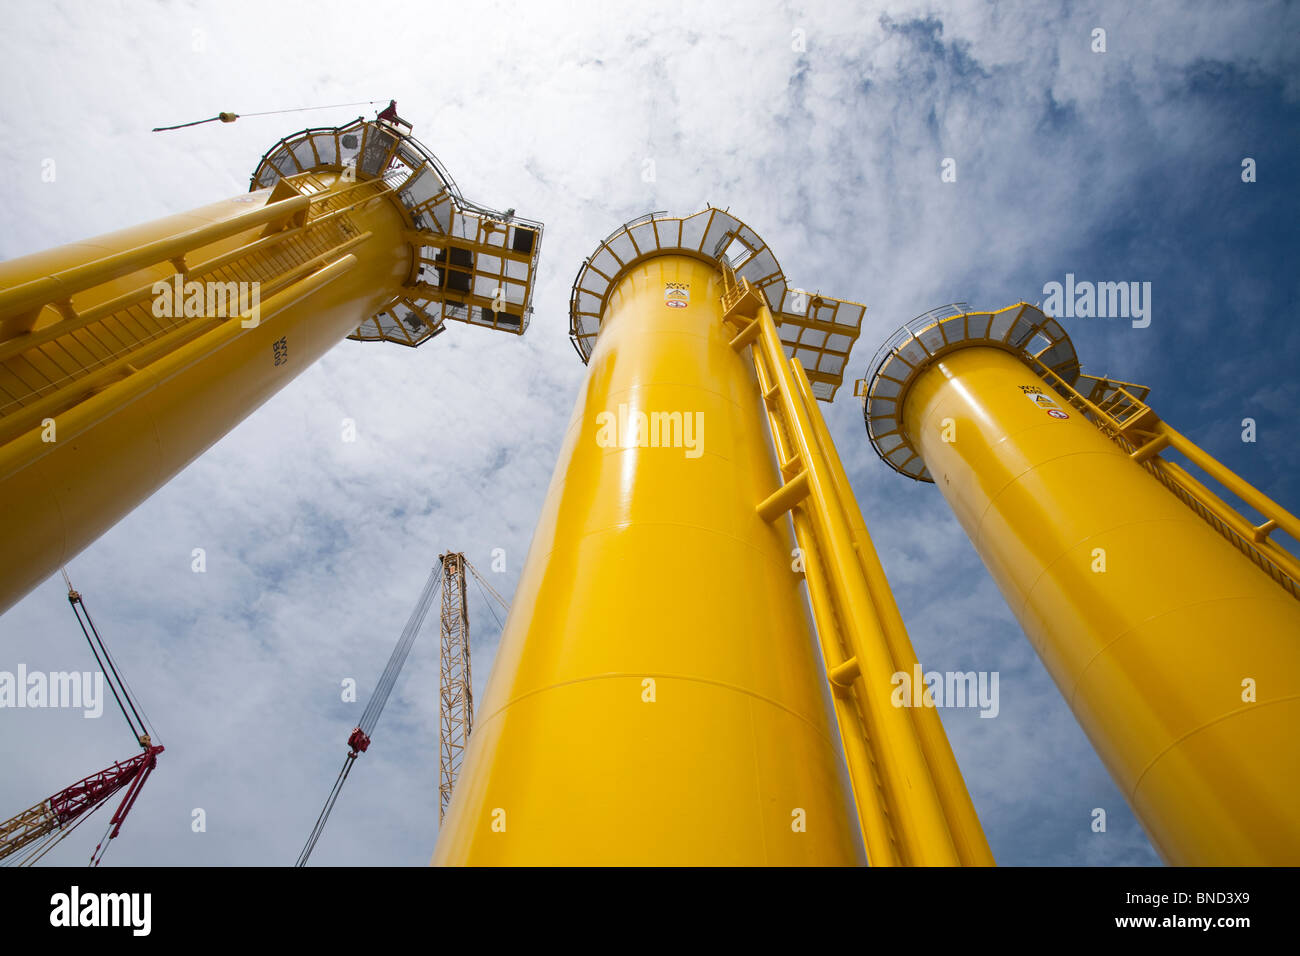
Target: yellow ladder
912, 802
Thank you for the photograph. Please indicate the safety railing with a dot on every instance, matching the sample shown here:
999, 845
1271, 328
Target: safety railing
909, 330
300, 234
912, 803
21, 304
1127, 420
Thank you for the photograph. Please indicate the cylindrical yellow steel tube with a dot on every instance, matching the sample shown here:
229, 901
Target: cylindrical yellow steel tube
118, 444
657, 697
1180, 659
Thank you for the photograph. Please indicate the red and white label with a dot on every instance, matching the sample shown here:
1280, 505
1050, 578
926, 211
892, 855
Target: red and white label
677, 295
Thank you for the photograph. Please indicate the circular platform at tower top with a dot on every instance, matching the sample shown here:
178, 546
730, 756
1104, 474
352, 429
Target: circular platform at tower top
817, 329
1021, 329
470, 263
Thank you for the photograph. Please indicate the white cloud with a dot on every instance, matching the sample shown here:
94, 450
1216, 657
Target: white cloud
317, 549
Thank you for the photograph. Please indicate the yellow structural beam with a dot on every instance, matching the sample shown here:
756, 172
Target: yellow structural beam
961, 820
657, 697
920, 829
1180, 659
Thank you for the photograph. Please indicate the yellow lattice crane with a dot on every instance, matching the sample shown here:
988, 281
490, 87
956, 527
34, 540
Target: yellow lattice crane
455, 686
455, 689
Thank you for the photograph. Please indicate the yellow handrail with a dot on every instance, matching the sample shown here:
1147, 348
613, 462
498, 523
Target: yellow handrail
912, 803
1145, 435
968, 834
61, 285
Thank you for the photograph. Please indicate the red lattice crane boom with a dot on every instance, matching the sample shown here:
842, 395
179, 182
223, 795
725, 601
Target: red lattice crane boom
39, 828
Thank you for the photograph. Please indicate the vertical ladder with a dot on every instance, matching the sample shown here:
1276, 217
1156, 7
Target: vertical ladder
912, 802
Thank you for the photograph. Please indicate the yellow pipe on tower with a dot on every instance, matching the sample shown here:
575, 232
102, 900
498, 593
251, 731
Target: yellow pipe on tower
964, 825
657, 697
1179, 658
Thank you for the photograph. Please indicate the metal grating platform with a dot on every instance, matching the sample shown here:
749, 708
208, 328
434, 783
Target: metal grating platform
470, 263
1020, 329
817, 329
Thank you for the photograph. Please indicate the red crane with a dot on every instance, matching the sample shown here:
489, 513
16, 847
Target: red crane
62, 813
40, 828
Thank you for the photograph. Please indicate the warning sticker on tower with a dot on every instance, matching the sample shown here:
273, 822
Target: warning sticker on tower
677, 295
1035, 395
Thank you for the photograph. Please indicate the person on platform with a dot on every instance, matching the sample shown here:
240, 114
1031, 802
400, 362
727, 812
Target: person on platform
389, 115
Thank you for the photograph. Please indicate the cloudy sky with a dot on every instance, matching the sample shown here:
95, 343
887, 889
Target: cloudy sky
824, 127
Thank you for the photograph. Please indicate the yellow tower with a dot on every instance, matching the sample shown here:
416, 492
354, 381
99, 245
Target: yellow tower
122, 358
660, 695
1168, 620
